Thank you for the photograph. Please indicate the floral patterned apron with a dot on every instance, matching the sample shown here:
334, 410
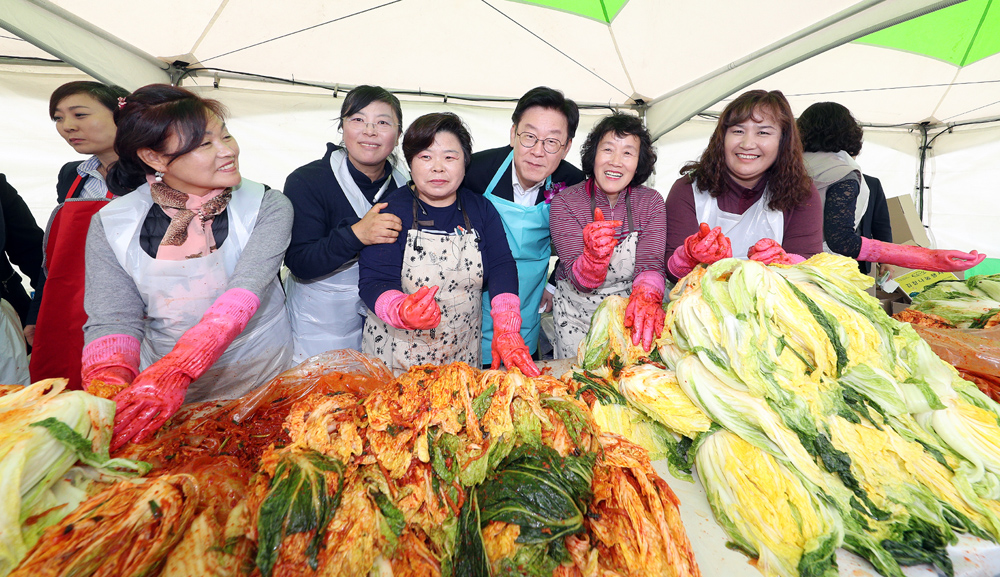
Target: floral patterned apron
572, 309
454, 263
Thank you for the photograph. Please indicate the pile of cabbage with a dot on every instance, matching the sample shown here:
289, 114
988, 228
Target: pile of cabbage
973, 303
814, 420
53, 444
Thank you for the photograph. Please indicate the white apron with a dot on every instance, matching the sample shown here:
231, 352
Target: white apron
326, 313
572, 309
454, 263
177, 294
826, 168
743, 230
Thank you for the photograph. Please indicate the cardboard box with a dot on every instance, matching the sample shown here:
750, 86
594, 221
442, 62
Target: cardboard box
906, 225
886, 299
898, 306
910, 283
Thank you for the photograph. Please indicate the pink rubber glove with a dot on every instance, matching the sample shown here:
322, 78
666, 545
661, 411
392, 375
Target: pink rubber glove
768, 251
599, 243
916, 257
111, 359
708, 245
508, 346
417, 311
644, 313
156, 394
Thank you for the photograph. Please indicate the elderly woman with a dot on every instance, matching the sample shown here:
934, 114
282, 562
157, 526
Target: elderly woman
338, 211
748, 195
426, 287
182, 272
621, 256
831, 138
84, 115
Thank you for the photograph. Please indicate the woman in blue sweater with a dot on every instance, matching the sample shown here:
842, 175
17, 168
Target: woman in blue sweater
426, 288
338, 211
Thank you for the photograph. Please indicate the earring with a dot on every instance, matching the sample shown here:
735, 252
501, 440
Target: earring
158, 176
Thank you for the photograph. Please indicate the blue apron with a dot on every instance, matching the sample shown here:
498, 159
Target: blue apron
527, 229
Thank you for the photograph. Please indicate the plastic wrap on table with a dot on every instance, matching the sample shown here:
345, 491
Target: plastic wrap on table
244, 427
974, 352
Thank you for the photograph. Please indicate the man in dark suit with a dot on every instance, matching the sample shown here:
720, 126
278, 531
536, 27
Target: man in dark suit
20, 244
519, 180
875, 223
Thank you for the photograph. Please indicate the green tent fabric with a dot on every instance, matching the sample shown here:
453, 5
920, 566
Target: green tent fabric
961, 34
600, 10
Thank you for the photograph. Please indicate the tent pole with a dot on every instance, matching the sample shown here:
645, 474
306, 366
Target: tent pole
924, 147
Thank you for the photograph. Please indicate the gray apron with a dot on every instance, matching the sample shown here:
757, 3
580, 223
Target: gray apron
572, 309
452, 262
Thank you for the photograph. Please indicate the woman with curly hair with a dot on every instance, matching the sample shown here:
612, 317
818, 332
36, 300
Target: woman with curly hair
749, 194
831, 138
619, 256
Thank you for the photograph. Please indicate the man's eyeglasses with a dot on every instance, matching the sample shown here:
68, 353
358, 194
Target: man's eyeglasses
550, 145
360, 124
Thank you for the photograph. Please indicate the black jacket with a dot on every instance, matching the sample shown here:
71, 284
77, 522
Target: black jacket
875, 223
485, 164
20, 244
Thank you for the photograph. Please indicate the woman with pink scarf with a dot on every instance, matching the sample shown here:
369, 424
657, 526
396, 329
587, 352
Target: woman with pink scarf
182, 291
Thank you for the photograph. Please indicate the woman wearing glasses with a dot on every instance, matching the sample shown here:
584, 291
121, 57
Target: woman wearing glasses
622, 255
337, 213
425, 289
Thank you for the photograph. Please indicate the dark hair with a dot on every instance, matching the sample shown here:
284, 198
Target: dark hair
150, 115
545, 97
622, 125
364, 95
420, 135
107, 95
830, 127
788, 181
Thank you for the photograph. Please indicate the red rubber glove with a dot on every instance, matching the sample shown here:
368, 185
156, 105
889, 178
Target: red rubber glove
917, 257
111, 359
417, 311
508, 346
708, 245
644, 313
156, 394
768, 251
599, 243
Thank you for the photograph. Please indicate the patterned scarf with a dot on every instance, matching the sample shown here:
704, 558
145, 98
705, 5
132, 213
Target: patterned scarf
188, 236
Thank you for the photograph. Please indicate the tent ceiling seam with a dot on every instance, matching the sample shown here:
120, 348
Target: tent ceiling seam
621, 59
254, 45
972, 41
210, 25
550, 45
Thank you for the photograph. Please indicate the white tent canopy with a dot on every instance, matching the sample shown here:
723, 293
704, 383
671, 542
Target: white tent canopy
668, 60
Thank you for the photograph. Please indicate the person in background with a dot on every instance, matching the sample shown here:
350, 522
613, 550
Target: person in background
426, 287
182, 295
83, 113
21, 246
749, 194
620, 256
875, 223
831, 138
520, 179
338, 211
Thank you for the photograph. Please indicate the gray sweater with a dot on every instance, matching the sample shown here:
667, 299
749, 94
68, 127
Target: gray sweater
113, 303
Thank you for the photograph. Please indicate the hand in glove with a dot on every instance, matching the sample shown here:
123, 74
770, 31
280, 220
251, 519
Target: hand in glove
508, 346
708, 245
110, 363
417, 311
916, 257
768, 251
644, 313
599, 243
156, 394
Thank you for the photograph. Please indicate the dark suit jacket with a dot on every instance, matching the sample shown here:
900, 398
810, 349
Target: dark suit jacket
875, 223
485, 164
20, 244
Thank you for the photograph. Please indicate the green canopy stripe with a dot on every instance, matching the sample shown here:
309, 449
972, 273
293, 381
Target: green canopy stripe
599, 10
